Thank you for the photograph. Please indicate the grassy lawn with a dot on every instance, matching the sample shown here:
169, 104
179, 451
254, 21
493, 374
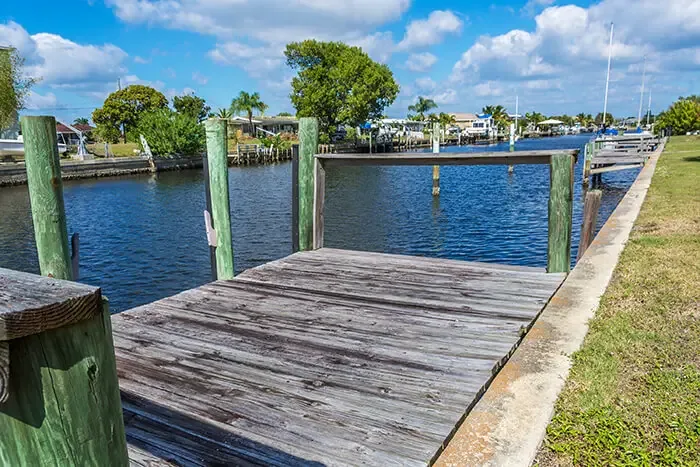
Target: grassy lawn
633, 395
118, 150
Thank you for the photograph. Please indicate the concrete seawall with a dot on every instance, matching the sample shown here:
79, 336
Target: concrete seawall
16, 174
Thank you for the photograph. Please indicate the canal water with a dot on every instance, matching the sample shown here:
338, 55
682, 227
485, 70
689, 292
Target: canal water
142, 237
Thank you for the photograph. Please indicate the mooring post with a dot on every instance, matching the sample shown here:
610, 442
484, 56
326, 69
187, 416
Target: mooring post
217, 157
295, 198
561, 201
587, 155
436, 150
591, 205
308, 148
59, 394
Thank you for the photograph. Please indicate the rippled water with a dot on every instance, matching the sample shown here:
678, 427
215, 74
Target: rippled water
142, 237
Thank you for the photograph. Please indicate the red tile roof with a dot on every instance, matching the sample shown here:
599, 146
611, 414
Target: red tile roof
61, 128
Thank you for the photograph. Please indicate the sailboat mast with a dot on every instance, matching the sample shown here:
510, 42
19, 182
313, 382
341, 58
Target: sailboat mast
516, 114
641, 95
649, 108
607, 79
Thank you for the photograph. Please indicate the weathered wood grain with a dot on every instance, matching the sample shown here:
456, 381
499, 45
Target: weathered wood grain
326, 357
217, 158
308, 146
591, 206
319, 203
561, 202
451, 158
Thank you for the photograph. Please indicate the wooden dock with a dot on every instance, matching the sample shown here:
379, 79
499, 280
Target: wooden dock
326, 357
619, 153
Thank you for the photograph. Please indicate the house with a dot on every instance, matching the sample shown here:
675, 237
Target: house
70, 137
475, 124
464, 120
279, 124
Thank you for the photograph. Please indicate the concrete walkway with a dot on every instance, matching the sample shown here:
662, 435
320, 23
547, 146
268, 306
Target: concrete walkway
507, 425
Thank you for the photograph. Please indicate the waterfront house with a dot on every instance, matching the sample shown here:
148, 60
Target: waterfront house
68, 136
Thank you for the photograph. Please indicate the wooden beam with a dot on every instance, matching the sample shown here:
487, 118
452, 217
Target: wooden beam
436, 150
591, 206
46, 196
406, 159
615, 168
295, 198
560, 213
308, 146
319, 202
217, 157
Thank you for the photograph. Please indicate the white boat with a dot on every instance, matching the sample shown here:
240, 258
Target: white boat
15, 147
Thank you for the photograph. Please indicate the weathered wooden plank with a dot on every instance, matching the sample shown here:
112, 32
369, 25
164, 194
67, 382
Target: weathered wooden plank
615, 168
591, 206
561, 202
308, 146
319, 202
486, 158
217, 158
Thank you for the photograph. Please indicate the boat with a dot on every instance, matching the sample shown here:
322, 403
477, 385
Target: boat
15, 147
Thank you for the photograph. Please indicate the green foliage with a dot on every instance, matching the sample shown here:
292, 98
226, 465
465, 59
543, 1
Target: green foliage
170, 133
534, 118
338, 84
284, 114
192, 106
277, 142
682, 116
499, 114
223, 113
421, 106
125, 107
446, 120
81, 121
247, 103
14, 86
609, 119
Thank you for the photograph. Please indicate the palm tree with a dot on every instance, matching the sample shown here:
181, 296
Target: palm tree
422, 106
247, 103
499, 114
534, 118
446, 120
81, 121
581, 118
224, 113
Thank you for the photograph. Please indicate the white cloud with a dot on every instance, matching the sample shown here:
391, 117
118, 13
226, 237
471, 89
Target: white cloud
379, 45
430, 31
533, 6
448, 96
425, 83
37, 101
141, 60
257, 61
488, 89
61, 63
199, 78
421, 61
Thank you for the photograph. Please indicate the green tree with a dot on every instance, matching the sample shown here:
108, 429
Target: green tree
499, 114
338, 84
422, 106
284, 114
171, 133
125, 108
81, 121
247, 103
223, 113
446, 120
14, 86
682, 116
609, 119
191, 106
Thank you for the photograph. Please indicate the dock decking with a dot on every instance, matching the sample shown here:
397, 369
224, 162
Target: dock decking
325, 357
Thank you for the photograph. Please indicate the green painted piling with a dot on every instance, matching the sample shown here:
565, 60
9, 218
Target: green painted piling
561, 202
46, 196
308, 147
217, 157
63, 405
436, 150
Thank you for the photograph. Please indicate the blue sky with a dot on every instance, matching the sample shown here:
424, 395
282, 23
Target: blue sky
463, 54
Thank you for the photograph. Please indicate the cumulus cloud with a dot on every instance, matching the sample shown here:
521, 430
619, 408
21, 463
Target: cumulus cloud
36, 101
379, 46
425, 83
258, 61
199, 78
61, 63
421, 61
430, 31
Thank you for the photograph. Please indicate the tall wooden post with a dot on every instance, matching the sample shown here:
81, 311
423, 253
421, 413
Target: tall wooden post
46, 196
436, 150
59, 393
217, 157
561, 201
308, 147
591, 206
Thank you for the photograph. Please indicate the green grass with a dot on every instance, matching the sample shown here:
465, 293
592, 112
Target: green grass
633, 394
118, 150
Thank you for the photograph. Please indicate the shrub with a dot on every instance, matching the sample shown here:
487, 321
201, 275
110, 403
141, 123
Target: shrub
171, 134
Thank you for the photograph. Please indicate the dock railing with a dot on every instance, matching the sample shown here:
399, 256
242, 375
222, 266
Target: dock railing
311, 188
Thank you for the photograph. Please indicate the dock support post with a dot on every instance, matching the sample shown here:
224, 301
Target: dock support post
319, 202
308, 147
62, 404
561, 191
217, 157
436, 150
591, 205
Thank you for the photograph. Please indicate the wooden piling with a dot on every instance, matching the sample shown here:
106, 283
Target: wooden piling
436, 150
591, 205
319, 202
217, 157
59, 392
560, 213
308, 147
46, 196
